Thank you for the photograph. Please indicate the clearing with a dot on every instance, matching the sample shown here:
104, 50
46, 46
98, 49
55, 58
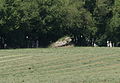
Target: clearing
60, 65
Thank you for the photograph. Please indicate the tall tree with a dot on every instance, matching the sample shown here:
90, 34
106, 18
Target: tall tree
102, 15
114, 24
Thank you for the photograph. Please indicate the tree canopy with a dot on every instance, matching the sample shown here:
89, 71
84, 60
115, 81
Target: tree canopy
38, 23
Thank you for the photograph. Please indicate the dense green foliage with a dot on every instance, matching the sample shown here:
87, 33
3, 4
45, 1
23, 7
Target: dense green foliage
36, 23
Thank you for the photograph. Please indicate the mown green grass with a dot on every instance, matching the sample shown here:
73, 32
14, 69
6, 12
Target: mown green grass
60, 65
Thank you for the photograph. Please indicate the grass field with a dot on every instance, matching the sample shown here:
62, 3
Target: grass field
60, 65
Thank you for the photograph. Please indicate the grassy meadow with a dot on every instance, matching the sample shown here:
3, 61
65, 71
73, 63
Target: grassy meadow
60, 65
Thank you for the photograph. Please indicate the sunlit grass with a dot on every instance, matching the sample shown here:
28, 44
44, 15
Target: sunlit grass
60, 65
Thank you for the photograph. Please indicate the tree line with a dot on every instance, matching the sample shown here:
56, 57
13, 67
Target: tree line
38, 23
